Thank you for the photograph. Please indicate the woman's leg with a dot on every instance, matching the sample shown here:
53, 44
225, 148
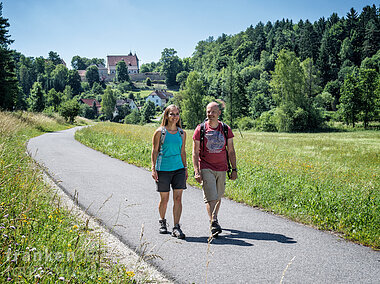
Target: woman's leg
177, 208
163, 204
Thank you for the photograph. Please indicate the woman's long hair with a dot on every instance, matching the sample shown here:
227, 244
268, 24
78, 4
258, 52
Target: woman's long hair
166, 115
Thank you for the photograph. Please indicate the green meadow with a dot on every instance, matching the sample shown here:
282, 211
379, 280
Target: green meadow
41, 242
330, 181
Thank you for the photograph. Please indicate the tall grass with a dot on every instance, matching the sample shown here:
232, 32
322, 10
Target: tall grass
40, 242
328, 180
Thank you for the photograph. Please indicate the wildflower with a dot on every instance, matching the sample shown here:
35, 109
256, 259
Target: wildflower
130, 273
50, 217
69, 245
75, 227
37, 276
12, 227
61, 278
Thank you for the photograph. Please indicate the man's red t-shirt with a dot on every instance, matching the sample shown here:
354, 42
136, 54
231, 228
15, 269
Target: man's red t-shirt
213, 155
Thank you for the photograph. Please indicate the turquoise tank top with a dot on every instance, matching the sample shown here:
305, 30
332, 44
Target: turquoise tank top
169, 158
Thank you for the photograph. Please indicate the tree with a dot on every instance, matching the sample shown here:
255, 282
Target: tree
148, 111
368, 80
69, 110
193, 111
59, 76
37, 98
148, 81
53, 99
79, 63
74, 81
181, 78
350, 102
295, 111
8, 82
235, 95
54, 58
92, 75
133, 117
108, 102
171, 65
288, 81
122, 72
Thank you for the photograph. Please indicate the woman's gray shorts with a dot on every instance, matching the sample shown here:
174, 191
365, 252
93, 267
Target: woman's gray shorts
177, 179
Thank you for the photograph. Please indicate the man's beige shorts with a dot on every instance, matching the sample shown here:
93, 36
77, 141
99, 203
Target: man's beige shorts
214, 184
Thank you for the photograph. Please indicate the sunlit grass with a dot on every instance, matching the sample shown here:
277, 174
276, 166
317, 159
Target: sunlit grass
40, 242
329, 180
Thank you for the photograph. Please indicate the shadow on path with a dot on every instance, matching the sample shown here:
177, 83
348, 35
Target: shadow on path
238, 238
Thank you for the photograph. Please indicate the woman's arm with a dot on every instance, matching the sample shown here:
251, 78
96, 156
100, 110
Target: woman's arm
154, 155
183, 152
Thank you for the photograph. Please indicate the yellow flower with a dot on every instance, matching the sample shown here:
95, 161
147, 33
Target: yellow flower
50, 216
130, 273
75, 227
69, 245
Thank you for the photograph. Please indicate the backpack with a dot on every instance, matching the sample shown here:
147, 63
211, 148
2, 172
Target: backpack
202, 140
163, 136
162, 140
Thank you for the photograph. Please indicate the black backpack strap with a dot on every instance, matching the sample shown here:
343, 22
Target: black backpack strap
225, 132
202, 138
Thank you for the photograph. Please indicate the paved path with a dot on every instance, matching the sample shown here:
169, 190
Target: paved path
255, 247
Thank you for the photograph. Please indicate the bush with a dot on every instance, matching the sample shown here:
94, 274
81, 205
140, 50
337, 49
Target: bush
245, 123
133, 117
69, 110
86, 111
266, 122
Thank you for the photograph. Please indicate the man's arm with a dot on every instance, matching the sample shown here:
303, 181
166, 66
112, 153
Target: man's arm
232, 157
197, 172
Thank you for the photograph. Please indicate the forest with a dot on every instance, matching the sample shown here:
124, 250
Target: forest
281, 76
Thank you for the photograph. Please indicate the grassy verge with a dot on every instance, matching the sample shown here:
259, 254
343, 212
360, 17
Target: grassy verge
40, 242
328, 180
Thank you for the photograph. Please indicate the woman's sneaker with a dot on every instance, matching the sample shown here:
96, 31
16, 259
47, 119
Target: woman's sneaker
177, 232
163, 226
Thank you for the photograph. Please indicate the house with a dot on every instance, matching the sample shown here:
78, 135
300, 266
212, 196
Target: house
159, 98
130, 60
90, 102
82, 74
120, 103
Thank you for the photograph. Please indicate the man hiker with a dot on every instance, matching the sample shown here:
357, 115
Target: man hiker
212, 148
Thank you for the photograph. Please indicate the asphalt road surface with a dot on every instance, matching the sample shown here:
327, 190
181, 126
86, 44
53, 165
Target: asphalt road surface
255, 247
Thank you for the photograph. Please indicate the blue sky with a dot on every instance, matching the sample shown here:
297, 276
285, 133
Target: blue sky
97, 28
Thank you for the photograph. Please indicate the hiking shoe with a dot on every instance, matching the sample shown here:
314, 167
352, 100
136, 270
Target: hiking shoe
215, 228
177, 232
163, 226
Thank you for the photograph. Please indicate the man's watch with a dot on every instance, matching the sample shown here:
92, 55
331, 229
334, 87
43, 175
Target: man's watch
234, 170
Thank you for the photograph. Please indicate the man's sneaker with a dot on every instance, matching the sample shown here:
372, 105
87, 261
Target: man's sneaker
177, 232
163, 227
215, 228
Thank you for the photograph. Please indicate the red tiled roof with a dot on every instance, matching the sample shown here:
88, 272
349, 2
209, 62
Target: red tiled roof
90, 102
162, 94
130, 60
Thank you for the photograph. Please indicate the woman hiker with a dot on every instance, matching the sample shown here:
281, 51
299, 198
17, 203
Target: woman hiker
169, 167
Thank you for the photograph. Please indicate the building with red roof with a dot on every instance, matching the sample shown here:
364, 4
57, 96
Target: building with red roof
130, 60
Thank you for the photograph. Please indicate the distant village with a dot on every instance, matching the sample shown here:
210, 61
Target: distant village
108, 74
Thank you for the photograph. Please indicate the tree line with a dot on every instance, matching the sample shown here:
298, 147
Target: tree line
280, 76
285, 76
